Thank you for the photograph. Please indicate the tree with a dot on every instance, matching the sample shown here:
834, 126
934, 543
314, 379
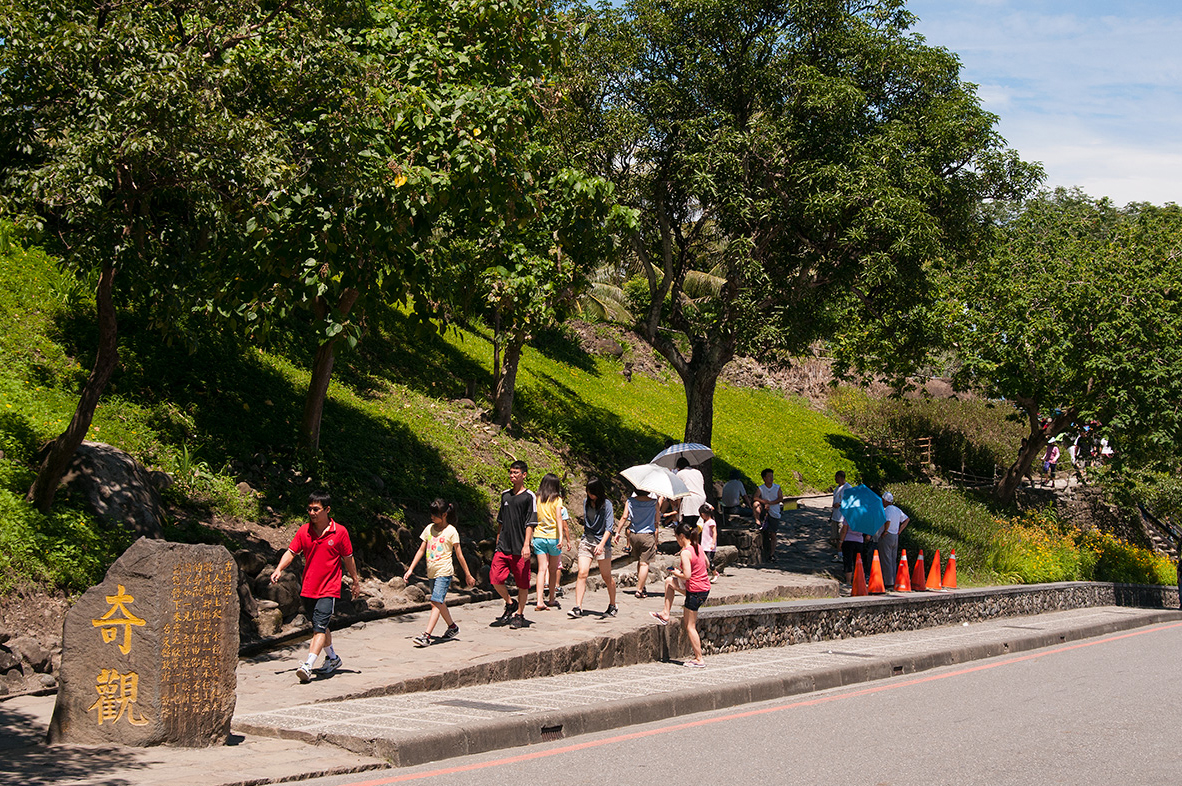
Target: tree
129, 138
426, 137
540, 267
796, 154
1073, 317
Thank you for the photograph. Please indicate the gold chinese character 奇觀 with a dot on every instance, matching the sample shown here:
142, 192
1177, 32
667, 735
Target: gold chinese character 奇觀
117, 693
109, 622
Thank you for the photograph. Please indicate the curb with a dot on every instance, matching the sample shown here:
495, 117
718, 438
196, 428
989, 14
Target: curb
482, 737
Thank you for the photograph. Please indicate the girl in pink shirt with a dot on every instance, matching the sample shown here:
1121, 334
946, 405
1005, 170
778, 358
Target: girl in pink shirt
692, 579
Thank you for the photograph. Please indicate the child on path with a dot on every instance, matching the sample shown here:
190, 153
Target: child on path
550, 537
691, 580
440, 541
598, 518
326, 547
640, 519
516, 519
709, 528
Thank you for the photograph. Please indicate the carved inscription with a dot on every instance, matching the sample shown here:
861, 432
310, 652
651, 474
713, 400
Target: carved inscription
191, 647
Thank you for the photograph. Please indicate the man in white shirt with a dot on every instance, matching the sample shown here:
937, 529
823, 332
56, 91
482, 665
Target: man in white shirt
768, 499
735, 500
888, 540
836, 519
693, 480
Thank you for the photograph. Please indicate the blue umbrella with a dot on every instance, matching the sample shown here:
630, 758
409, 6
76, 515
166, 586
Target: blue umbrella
862, 509
692, 452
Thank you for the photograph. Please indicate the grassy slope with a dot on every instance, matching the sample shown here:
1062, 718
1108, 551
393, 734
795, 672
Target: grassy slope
395, 434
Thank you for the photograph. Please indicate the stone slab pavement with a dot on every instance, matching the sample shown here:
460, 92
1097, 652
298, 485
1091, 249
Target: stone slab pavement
417, 728
306, 740
379, 659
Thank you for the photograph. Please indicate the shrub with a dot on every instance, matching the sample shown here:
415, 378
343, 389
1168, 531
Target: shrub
68, 548
971, 435
1118, 560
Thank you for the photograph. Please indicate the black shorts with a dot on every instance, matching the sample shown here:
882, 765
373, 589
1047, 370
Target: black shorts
849, 555
694, 600
319, 612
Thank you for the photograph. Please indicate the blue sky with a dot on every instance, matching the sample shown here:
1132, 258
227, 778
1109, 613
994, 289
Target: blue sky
1093, 90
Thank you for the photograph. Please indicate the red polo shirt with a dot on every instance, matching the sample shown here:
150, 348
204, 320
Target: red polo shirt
322, 559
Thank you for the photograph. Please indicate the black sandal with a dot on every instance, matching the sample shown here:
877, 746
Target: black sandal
641, 594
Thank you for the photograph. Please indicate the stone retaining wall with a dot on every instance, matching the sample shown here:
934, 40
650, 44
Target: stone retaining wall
734, 628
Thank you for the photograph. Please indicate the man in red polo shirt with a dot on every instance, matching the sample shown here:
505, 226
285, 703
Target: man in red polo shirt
325, 545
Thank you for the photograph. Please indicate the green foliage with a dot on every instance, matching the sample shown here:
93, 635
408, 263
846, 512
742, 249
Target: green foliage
813, 156
971, 435
1075, 312
1035, 547
68, 549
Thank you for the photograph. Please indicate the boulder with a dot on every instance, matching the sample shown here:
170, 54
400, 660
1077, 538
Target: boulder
249, 562
285, 592
30, 651
116, 488
269, 619
8, 660
415, 594
150, 655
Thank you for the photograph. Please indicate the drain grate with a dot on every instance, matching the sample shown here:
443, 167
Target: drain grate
468, 704
551, 733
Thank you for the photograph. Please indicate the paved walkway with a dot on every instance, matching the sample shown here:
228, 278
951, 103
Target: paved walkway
421, 727
394, 702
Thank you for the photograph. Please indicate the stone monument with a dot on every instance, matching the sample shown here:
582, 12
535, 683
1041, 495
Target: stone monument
150, 656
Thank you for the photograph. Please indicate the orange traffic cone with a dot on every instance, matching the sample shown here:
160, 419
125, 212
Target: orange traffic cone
918, 582
859, 587
950, 572
876, 586
902, 579
934, 573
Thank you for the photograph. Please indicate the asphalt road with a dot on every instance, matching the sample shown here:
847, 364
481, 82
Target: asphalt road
1100, 711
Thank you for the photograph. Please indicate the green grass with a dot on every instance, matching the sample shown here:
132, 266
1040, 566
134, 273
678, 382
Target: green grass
395, 435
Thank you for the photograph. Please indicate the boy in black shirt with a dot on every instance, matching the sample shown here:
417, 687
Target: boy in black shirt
516, 519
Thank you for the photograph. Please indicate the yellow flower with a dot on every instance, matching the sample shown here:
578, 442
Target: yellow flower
400, 181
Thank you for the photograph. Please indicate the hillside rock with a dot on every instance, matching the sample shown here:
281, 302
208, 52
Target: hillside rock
116, 488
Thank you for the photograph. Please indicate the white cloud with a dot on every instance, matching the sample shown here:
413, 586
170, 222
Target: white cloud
1094, 96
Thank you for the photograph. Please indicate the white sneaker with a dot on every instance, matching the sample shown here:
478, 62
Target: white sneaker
330, 665
304, 672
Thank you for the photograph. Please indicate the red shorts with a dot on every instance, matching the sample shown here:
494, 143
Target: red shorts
505, 565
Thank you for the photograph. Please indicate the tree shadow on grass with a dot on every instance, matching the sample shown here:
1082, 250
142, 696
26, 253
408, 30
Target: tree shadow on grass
870, 469
417, 357
560, 345
233, 410
553, 411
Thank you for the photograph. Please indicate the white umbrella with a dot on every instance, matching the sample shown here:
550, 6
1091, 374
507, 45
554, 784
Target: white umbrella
692, 452
657, 480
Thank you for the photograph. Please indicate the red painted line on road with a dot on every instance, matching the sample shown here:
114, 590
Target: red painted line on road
894, 685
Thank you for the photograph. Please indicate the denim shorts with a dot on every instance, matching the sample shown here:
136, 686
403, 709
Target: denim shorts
546, 546
439, 586
694, 600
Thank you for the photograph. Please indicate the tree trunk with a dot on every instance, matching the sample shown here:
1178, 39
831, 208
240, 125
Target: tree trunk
62, 449
699, 404
1036, 442
322, 365
1007, 487
507, 384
